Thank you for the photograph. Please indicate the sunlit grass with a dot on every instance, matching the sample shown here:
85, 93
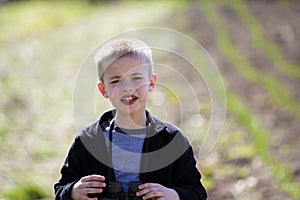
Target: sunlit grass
26, 191
42, 46
24, 19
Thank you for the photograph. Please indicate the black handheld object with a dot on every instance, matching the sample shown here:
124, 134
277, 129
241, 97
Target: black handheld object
117, 192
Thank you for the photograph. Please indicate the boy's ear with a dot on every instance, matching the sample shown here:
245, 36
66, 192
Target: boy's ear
102, 90
153, 82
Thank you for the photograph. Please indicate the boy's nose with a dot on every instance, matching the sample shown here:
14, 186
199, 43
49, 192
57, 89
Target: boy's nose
127, 87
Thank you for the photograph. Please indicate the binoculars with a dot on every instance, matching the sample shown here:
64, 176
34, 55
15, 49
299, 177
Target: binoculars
117, 192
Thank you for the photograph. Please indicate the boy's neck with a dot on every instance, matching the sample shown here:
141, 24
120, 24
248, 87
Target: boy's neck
131, 121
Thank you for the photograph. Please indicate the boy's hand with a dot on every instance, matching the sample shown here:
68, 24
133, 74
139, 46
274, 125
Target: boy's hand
88, 185
157, 191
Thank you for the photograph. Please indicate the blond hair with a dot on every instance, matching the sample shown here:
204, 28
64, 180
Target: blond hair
116, 48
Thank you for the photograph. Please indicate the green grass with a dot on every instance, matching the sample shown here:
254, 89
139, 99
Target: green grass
21, 20
42, 46
26, 191
269, 48
243, 114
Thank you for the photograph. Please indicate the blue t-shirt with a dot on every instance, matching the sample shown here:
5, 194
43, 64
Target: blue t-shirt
127, 148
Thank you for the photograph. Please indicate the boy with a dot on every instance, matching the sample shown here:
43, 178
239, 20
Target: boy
128, 146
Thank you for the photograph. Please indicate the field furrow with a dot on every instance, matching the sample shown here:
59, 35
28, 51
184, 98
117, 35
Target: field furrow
249, 91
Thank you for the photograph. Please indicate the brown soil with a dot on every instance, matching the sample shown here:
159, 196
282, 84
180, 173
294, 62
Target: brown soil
281, 26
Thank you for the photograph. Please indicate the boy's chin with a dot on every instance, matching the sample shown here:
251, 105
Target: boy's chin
130, 110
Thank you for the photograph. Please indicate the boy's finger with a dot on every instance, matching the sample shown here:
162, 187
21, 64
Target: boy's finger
147, 185
93, 178
142, 192
94, 184
154, 194
92, 190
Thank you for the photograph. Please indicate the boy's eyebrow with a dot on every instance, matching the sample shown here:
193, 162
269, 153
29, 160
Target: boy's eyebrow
137, 73
115, 77
133, 74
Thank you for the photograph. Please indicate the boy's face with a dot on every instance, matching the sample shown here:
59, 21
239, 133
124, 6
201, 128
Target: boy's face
127, 83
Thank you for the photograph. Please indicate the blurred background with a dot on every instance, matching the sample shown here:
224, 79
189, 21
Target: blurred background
255, 45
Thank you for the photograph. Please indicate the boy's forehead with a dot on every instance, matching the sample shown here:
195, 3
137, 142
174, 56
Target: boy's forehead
127, 64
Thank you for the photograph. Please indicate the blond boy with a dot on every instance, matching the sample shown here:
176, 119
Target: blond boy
128, 145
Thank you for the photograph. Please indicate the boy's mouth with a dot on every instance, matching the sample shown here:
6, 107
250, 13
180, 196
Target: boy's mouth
129, 100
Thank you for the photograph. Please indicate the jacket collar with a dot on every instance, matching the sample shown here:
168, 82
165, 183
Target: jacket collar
156, 130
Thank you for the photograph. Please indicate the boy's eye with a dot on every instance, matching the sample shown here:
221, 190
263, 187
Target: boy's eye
114, 81
137, 78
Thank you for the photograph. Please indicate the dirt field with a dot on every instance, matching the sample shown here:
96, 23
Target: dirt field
280, 26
